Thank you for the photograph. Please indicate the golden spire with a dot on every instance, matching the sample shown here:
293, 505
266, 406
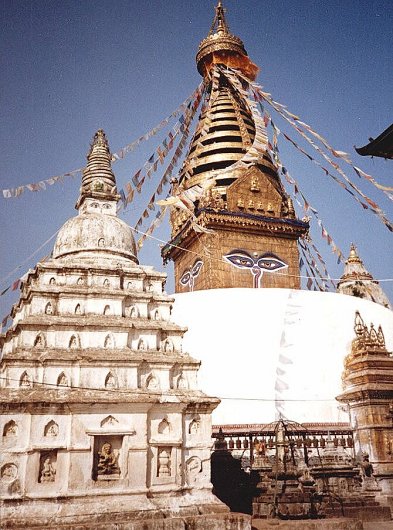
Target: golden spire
221, 47
98, 179
219, 23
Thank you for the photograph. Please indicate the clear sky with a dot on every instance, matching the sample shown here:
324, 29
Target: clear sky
70, 67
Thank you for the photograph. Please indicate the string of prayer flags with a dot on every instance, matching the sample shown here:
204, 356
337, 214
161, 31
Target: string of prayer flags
156, 222
306, 205
42, 184
371, 205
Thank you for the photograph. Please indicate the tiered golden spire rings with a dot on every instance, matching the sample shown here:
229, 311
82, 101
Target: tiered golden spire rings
225, 132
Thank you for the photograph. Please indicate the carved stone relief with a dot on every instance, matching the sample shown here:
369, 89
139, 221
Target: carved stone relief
25, 381
164, 462
51, 429
164, 427
10, 429
48, 461
9, 472
193, 469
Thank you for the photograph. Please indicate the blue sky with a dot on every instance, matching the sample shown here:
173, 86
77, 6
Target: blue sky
70, 67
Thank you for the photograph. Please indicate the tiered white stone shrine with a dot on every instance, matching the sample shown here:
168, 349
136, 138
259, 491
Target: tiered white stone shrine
100, 408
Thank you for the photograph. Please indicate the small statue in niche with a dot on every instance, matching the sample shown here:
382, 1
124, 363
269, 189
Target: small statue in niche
164, 464
10, 429
48, 309
194, 427
366, 466
80, 281
52, 281
52, 429
9, 472
107, 461
141, 345
62, 381
168, 347
25, 380
101, 242
182, 383
251, 205
73, 342
38, 343
110, 381
240, 203
254, 185
106, 282
78, 309
48, 471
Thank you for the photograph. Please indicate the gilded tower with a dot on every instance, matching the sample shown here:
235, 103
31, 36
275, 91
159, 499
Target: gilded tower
243, 224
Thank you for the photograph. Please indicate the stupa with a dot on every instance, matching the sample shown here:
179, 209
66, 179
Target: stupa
102, 420
357, 281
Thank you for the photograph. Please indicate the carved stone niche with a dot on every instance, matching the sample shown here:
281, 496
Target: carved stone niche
106, 458
48, 464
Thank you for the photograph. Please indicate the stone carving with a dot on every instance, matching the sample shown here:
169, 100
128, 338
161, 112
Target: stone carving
25, 380
48, 309
108, 342
168, 346
10, 429
134, 313
107, 460
141, 345
9, 472
182, 383
101, 242
193, 469
73, 342
52, 281
164, 427
62, 380
110, 381
106, 283
107, 310
48, 468
366, 466
194, 426
80, 281
109, 421
39, 341
164, 463
152, 382
51, 429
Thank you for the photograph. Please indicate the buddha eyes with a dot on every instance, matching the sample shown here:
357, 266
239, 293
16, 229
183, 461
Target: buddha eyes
267, 262
196, 268
270, 263
185, 278
240, 260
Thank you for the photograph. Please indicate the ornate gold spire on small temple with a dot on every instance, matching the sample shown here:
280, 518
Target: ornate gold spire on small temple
357, 281
98, 179
221, 47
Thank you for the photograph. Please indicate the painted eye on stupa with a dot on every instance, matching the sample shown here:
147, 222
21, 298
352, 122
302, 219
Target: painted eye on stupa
241, 260
196, 267
270, 262
185, 278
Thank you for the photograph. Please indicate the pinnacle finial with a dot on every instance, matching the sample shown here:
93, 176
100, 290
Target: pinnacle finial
99, 140
219, 23
98, 179
353, 251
